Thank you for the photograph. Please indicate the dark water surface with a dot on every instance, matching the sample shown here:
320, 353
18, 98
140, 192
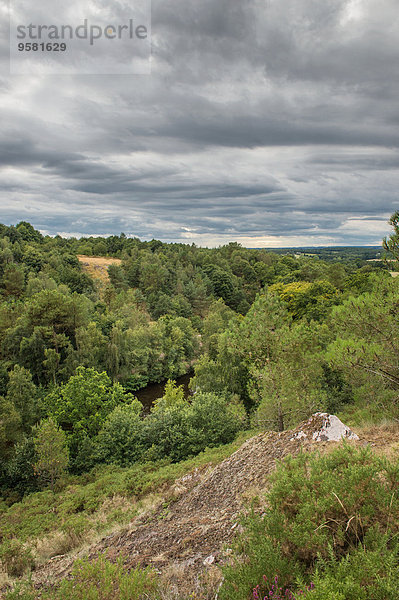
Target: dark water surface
153, 391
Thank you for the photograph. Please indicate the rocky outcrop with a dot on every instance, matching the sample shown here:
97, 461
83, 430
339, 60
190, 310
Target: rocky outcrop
323, 427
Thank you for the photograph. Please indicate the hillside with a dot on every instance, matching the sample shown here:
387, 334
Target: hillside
188, 533
97, 266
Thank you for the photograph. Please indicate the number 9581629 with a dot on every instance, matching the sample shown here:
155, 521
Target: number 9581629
42, 47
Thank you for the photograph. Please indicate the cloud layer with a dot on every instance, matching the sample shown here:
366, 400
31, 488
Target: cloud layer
270, 123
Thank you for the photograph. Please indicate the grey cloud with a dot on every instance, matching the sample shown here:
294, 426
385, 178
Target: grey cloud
261, 118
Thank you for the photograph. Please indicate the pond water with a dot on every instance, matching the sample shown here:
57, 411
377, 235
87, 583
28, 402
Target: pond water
153, 391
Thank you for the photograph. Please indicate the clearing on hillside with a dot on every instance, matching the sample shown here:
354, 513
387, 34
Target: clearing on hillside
97, 266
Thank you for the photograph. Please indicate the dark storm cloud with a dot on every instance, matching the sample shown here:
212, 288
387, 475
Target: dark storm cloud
24, 152
269, 122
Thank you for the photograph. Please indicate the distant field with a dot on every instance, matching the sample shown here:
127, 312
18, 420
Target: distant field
393, 273
97, 266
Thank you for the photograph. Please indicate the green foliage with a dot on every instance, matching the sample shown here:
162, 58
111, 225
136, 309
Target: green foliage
15, 558
175, 429
51, 451
28, 233
325, 514
366, 348
98, 580
10, 427
338, 391
243, 347
360, 575
117, 277
215, 322
391, 244
309, 300
180, 430
173, 397
272, 363
48, 323
121, 439
59, 310
13, 281
82, 405
20, 474
22, 393
288, 388
103, 580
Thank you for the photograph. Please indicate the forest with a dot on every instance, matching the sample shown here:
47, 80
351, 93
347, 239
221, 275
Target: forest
268, 338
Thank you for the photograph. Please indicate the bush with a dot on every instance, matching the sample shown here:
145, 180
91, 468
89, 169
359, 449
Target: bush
121, 439
21, 478
182, 429
361, 575
176, 429
338, 509
52, 452
15, 558
98, 580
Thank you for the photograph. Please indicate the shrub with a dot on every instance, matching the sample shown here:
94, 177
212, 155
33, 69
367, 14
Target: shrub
322, 510
272, 591
176, 429
182, 429
15, 558
52, 452
361, 575
19, 470
121, 439
97, 580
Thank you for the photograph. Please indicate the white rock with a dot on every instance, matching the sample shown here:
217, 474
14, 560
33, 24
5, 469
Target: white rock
209, 560
333, 430
299, 436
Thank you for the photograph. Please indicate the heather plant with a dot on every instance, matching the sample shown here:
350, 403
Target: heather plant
272, 591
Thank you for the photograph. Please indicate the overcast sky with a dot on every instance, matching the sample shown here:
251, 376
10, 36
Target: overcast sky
267, 122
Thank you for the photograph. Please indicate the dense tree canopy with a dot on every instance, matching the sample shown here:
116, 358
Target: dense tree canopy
280, 333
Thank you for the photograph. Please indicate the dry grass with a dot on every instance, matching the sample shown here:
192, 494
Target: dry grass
99, 260
61, 543
58, 543
179, 582
97, 266
384, 438
5, 580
